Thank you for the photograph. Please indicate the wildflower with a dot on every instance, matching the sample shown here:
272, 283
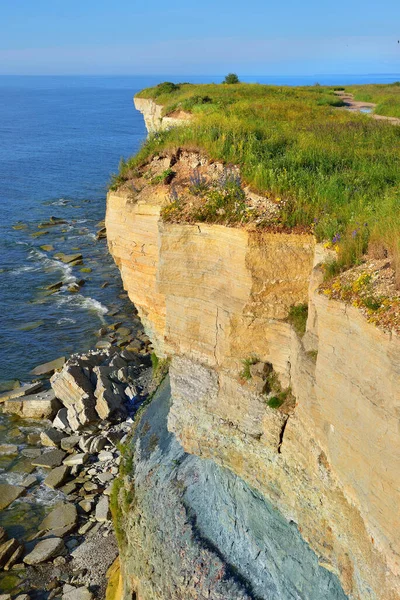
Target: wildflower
336, 238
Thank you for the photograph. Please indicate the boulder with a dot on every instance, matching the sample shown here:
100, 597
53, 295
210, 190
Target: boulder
36, 406
23, 390
75, 391
45, 550
76, 459
57, 476
72, 593
49, 460
103, 510
9, 493
61, 420
61, 520
51, 437
92, 443
3, 535
69, 443
8, 449
109, 395
53, 365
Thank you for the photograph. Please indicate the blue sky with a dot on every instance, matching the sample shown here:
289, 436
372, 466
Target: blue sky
251, 37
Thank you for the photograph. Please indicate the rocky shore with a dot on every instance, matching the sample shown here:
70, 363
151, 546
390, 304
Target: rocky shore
87, 408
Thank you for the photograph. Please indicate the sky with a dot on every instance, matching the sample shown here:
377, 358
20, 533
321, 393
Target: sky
210, 37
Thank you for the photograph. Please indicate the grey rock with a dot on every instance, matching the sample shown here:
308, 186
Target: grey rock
3, 535
81, 593
104, 456
43, 405
51, 437
109, 395
22, 597
23, 390
103, 510
49, 367
5, 597
92, 443
8, 449
57, 476
76, 392
76, 459
45, 550
49, 460
105, 477
31, 452
29, 481
61, 420
85, 505
61, 520
68, 488
69, 443
59, 561
9, 493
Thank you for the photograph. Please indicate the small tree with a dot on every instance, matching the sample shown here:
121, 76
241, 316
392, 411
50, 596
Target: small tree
231, 78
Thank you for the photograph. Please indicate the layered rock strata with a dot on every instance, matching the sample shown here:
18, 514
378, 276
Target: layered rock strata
214, 298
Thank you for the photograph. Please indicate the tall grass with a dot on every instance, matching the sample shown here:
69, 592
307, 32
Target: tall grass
339, 172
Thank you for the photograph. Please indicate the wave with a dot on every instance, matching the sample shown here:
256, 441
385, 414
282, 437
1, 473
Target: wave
87, 303
66, 321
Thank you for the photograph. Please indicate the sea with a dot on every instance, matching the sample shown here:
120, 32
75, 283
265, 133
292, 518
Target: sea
61, 138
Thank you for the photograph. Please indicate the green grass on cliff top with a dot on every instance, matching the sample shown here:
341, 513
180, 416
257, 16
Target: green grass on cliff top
338, 171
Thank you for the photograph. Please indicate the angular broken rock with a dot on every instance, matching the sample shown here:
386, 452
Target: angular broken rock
61, 419
109, 395
44, 550
49, 367
9, 493
15, 556
57, 476
92, 443
51, 437
103, 510
36, 406
76, 459
61, 520
72, 593
69, 443
24, 390
75, 391
50, 459
7, 549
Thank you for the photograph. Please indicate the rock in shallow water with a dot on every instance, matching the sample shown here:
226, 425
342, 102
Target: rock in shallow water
36, 406
57, 476
49, 460
9, 493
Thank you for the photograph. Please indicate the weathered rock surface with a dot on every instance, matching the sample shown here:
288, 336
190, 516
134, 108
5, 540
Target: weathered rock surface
218, 296
44, 550
9, 493
57, 476
50, 459
61, 520
43, 405
7, 550
51, 437
23, 390
154, 119
196, 528
49, 367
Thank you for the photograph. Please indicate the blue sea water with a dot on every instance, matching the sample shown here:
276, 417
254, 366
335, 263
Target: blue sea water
60, 139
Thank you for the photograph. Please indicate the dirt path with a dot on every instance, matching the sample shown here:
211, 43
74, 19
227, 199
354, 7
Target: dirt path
364, 107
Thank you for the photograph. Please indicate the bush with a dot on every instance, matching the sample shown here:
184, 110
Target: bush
231, 78
298, 317
167, 87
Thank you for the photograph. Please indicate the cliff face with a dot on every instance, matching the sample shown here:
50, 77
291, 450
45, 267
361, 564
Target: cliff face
215, 298
153, 117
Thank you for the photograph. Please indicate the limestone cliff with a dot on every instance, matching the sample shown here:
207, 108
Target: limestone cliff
214, 299
154, 118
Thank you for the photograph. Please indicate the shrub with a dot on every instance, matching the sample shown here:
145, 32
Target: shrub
298, 314
247, 362
167, 87
231, 78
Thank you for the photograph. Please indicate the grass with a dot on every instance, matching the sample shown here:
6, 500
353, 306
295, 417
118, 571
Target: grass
386, 97
298, 318
338, 172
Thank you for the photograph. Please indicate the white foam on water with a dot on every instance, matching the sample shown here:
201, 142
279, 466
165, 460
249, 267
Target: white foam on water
66, 321
87, 303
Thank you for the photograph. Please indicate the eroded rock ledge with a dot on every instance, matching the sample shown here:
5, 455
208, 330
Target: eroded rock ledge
212, 297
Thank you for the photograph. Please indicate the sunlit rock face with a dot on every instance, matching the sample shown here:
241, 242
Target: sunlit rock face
213, 297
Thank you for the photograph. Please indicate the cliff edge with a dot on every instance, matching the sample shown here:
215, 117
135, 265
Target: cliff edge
276, 434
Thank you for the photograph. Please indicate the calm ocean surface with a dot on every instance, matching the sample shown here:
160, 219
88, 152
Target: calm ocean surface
60, 138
